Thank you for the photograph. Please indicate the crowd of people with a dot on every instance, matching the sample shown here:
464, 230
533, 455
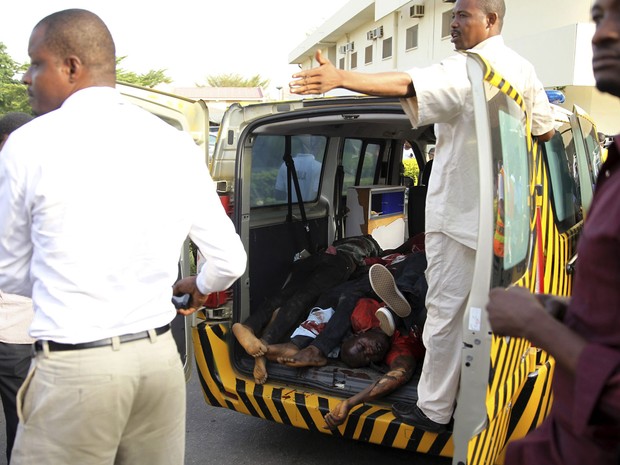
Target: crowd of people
87, 261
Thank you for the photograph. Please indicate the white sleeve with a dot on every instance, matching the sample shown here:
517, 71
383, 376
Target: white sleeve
214, 234
15, 244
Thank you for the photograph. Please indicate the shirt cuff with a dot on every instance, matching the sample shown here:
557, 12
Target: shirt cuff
595, 367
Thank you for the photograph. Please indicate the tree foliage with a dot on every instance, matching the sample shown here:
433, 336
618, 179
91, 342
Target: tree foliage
149, 79
235, 80
13, 94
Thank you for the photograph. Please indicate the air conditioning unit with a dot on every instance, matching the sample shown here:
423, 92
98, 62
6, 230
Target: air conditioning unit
375, 33
416, 11
347, 47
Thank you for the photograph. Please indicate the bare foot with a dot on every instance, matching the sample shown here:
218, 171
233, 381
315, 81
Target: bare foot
308, 357
252, 345
277, 351
260, 370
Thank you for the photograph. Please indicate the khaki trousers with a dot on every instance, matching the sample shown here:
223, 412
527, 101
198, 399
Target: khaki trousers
107, 405
449, 276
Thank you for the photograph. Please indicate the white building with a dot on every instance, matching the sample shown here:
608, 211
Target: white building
387, 35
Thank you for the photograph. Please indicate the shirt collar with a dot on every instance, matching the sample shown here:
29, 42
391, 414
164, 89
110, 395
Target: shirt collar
490, 43
92, 95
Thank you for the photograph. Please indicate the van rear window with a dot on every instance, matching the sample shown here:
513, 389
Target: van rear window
270, 174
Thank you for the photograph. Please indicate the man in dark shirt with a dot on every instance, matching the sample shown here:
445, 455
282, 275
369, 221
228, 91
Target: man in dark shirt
584, 423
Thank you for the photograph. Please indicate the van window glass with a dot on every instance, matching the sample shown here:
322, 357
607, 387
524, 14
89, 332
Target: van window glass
514, 174
593, 148
563, 178
369, 164
269, 175
513, 190
359, 160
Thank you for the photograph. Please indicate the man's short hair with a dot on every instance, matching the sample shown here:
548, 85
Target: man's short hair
13, 120
494, 6
83, 34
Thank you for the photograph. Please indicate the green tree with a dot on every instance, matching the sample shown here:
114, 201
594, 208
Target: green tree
149, 79
235, 80
13, 94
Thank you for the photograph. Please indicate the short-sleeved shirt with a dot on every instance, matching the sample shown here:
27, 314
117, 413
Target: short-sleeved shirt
443, 97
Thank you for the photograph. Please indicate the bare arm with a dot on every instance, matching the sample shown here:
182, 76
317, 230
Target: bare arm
197, 298
546, 136
327, 77
400, 372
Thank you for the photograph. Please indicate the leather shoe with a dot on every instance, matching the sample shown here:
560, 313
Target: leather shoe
412, 415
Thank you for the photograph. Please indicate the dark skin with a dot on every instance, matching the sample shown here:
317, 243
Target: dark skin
371, 346
364, 348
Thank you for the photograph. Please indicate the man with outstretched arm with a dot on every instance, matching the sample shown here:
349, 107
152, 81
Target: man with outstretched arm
440, 94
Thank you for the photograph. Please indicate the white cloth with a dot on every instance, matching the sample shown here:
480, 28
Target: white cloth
96, 199
443, 96
449, 277
15, 317
308, 171
314, 324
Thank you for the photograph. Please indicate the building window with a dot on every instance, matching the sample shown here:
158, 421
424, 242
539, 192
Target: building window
411, 40
387, 48
354, 60
446, 20
341, 63
368, 55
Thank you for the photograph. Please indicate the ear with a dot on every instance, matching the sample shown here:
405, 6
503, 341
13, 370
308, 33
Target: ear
492, 20
75, 68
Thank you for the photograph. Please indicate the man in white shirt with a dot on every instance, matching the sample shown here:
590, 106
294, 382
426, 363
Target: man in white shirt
15, 318
440, 94
96, 199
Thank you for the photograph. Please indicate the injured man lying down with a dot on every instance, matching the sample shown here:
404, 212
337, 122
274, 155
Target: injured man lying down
374, 315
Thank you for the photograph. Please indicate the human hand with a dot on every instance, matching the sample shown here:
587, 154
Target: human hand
337, 415
316, 80
514, 311
188, 286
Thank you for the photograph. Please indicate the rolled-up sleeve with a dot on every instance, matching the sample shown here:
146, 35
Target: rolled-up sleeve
214, 234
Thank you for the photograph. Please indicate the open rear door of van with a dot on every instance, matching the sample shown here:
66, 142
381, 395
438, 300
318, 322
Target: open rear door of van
495, 370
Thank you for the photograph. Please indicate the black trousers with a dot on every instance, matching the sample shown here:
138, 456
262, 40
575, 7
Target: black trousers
309, 278
14, 364
409, 278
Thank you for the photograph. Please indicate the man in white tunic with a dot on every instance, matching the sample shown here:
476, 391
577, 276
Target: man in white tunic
441, 94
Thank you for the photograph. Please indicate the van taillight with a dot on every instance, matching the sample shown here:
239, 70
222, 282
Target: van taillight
226, 203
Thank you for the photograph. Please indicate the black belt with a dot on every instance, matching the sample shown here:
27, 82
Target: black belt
38, 345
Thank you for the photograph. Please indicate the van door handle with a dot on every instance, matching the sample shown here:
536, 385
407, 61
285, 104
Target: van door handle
570, 266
